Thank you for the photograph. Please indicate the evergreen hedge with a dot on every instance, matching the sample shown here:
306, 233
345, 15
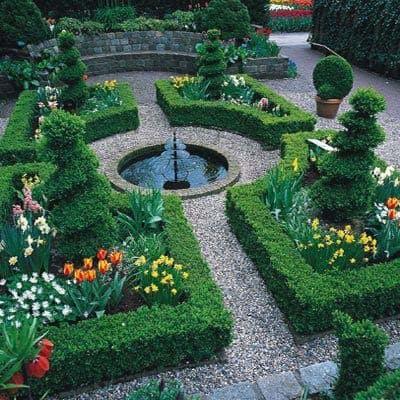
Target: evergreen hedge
306, 297
355, 30
249, 121
386, 388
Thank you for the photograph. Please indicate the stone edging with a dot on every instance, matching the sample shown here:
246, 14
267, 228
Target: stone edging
112, 171
318, 378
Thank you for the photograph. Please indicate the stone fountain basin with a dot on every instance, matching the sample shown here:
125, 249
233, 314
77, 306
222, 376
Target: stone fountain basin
120, 184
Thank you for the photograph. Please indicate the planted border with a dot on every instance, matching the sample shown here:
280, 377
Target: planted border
306, 297
17, 144
248, 121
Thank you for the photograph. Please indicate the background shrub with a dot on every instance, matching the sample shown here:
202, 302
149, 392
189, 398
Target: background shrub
386, 388
361, 355
69, 24
346, 188
92, 28
258, 10
333, 77
231, 17
20, 20
112, 16
78, 195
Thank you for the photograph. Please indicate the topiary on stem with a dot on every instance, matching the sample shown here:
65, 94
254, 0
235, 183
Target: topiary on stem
346, 187
212, 64
78, 195
75, 90
361, 355
333, 78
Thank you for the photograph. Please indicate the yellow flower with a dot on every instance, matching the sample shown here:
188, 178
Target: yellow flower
154, 274
136, 288
147, 289
174, 291
352, 260
347, 228
349, 239
140, 261
154, 288
315, 224
185, 275
316, 236
178, 267
341, 233
321, 245
295, 164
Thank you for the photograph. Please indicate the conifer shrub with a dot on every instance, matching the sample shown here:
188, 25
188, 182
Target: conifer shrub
21, 20
78, 195
212, 64
361, 355
258, 10
75, 90
346, 187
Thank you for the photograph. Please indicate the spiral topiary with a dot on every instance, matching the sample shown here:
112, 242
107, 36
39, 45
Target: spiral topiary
231, 17
212, 64
346, 187
333, 78
78, 195
75, 90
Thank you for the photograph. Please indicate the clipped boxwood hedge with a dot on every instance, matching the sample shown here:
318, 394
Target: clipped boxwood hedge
248, 121
307, 298
17, 144
386, 388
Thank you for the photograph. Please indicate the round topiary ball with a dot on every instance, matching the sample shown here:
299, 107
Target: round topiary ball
333, 78
231, 17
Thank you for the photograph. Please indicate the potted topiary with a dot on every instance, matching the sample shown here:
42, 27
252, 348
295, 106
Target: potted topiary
333, 80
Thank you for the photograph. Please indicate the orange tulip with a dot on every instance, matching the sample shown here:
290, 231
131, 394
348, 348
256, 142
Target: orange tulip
68, 268
101, 254
392, 202
46, 348
392, 214
103, 266
90, 275
116, 257
88, 263
79, 275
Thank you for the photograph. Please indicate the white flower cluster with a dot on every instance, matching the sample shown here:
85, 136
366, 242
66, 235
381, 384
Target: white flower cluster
235, 81
381, 176
274, 7
38, 296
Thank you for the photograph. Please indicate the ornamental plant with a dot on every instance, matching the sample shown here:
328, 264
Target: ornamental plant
78, 195
212, 64
258, 11
333, 77
361, 355
75, 92
160, 281
346, 187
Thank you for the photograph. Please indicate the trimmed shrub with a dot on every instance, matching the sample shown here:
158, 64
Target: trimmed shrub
333, 77
68, 24
231, 17
258, 10
361, 355
92, 28
110, 17
385, 388
78, 195
20, 20
249, 121
346, 187
212, 64
75, 91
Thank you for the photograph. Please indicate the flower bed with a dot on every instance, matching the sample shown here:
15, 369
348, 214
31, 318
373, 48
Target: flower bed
307, 297
17, 143
252, 122
291, 15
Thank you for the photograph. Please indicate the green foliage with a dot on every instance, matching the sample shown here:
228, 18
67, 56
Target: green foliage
24, 74
184, 19
333, 77
346, 187
68, 24
231, 17
92, 28
148, 24
112, 16
101, 97
21, 21
78, 195
197, 90
74, 92
160, 390
290, 24
358, 32
211, 64
259, 125
361, 355
260, 46
194, 330
258, 11
147, 210
386, 388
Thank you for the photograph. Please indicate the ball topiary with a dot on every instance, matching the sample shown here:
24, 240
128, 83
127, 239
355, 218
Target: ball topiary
75, 91
212, 64
78, 195
346, 187
333, 78
21, 21
231, 17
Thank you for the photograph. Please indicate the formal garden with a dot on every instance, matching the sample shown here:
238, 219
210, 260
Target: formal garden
192, 207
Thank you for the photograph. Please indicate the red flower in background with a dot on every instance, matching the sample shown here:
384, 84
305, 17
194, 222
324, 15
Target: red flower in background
263, 31
46, 348
16, 379
291, 13
101, 254
38, 367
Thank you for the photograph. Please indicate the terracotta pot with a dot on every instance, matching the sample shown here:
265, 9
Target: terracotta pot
327, 108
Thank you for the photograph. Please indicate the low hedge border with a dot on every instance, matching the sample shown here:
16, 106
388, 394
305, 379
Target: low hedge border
248, 121
306, 297
17, 144
386, 388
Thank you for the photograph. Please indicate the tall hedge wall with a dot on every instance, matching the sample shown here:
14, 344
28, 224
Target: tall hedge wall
365, 32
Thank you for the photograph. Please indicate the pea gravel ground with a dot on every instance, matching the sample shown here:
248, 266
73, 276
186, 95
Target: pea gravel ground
262, 343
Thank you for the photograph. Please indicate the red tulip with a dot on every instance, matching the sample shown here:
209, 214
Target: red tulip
101, 254
115, 257
79, 275
103, 266
392, 202
46, 348
16, 379
38, 367
392, 214
68, 268
90, 275
88, 263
